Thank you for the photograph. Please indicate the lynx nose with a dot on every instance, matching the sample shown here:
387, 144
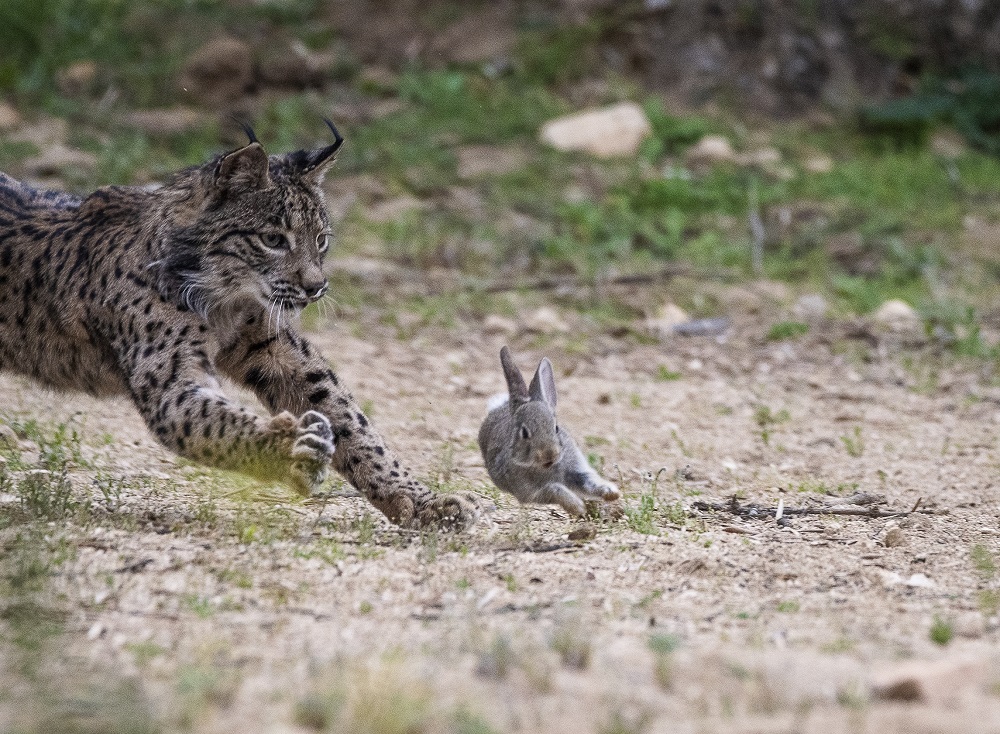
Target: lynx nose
315, 291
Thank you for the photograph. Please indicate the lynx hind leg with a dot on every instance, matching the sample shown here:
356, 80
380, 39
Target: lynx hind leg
457, 511
555, 493
310, 450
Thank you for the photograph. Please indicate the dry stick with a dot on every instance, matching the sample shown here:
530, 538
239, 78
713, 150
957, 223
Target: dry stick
757, 231
549, 284
764, 512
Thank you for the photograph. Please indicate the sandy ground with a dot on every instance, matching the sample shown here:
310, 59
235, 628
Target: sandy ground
254, 611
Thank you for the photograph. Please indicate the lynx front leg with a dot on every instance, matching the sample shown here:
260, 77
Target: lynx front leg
183, 406
288, 374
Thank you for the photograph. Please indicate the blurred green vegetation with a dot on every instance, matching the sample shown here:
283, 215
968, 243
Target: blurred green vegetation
884, 183
138, 45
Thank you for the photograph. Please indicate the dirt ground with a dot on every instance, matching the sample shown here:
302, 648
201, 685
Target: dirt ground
327, 616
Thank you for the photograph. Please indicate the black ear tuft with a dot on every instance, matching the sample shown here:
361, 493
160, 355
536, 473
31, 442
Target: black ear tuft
313, 164
338, 139
249, 131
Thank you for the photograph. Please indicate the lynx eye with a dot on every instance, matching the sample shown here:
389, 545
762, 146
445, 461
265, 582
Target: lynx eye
524, 432
274, 241
323, 242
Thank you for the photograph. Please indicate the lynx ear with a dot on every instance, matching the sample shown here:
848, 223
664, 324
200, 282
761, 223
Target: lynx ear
244, 169
516, 386
313, 164
543, 384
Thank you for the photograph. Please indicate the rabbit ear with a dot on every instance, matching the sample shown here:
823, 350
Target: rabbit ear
515, 381
543, 384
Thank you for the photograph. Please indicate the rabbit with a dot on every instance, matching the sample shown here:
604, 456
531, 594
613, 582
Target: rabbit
528, 454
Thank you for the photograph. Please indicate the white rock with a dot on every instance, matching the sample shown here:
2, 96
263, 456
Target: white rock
8, 437
545, 320
889, 578
920, 581
397, 208
165, 121
712, 149
56, 158
764, 157
897, 315
810, 307
970, 624
495, 324
608, 132
9, 117
666, 318
818, 164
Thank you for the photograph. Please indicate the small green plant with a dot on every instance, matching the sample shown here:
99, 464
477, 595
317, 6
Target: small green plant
764, 416
674, 514
663, 647
665, 374
318, 710
200, 605
200, 687
239, 579
365, 607
786, 330
573, 646
854, 443
467, 722
642, 518
839, 645
852, 696
788, 607
144, 651
635, 400
497, 660
766, 420
429, 541
983, 561
619, 723
364, 527
989, 601
326, 549
510, 582
47, 495
942, 631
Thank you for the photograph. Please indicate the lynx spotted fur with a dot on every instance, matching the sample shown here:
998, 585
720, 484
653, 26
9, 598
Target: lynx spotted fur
154, 293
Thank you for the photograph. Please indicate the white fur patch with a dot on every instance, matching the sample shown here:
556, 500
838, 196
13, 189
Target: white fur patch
495, 401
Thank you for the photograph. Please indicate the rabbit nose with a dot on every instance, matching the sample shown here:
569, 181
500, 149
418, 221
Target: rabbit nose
548, 458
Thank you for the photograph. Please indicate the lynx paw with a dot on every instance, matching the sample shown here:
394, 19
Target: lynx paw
457, 511
311, 452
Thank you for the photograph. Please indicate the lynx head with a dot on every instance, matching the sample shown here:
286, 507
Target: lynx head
249, 230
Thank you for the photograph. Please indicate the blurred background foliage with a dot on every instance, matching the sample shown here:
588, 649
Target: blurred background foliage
877, 180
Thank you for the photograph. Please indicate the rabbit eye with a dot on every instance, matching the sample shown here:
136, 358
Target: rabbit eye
524, 432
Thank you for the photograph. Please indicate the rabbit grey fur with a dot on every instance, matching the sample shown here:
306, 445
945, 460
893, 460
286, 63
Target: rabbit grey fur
528, 454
